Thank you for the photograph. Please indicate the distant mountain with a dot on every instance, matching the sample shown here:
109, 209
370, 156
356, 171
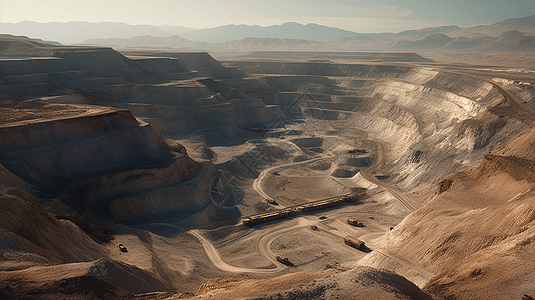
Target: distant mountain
175, 29
148, 42
439, 29
515, 33
178, 43
524, 24
508, 41
251, 44
76, 32
424, 42
404, 39
25, 39
290, 30
71, 32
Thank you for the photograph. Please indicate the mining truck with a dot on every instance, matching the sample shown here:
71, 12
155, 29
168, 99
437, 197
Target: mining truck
354, 222
357, 151
283, 260
122, 248
271, 201
355, 243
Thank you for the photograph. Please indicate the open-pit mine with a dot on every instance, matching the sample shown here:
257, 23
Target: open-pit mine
276, 175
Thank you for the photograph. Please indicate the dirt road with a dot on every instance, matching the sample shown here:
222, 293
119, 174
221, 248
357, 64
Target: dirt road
257, 185
214, 256
367, 174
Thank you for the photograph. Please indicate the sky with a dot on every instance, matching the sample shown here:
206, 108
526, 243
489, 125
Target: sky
363, 16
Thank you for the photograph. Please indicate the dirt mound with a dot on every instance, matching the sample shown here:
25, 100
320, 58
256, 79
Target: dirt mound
128, 277
13, 112
8, 179
358, 283
75, 140
343, 173
444, 185
71, 278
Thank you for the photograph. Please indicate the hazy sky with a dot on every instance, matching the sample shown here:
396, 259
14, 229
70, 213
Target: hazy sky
354, 15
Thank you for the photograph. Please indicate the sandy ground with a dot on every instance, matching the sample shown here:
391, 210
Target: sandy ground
36, 111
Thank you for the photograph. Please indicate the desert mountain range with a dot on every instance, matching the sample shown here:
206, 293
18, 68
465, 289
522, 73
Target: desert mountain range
515, 34
509, 35
71, 32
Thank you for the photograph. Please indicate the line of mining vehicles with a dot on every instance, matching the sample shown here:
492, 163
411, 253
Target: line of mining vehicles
348, 240
296, 210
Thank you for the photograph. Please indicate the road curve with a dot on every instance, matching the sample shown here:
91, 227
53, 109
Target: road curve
367, 174
214, 256
508, 96
258, 181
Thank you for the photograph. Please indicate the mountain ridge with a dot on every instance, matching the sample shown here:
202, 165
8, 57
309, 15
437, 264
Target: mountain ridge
287, 36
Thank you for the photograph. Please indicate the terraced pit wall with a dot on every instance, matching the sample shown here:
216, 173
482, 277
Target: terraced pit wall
410, 109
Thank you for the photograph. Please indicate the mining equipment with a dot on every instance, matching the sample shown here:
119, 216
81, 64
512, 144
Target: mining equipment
300, 209
357, 151
355, 243
354, 222
271, 201
283, 260
122, 248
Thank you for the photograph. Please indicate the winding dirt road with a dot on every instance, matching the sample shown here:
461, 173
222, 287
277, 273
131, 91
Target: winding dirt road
367, 174
257, 185
214, 256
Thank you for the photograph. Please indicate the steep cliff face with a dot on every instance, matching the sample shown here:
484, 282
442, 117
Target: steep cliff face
201, 62
48, 148
101, 158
